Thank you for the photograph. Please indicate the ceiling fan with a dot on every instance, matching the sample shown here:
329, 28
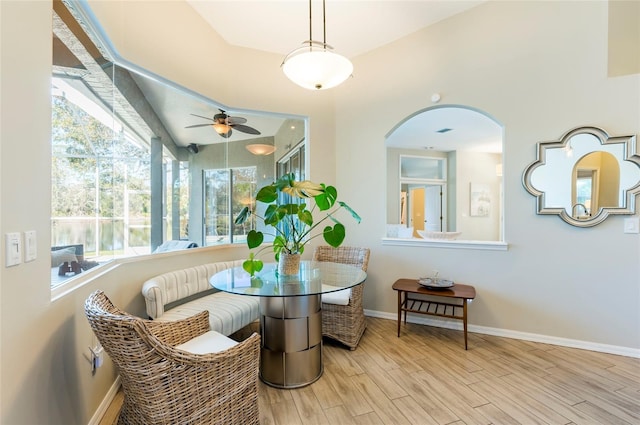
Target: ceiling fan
223, 124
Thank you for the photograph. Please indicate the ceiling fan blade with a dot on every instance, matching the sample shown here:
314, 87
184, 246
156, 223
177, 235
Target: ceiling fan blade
200, 116
199, 125
245, 129
236, 120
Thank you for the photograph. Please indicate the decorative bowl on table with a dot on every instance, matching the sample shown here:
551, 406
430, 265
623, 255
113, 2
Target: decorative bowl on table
446, 236
435, 283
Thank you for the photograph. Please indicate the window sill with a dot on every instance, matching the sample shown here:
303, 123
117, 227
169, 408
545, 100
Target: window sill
77, 281
83, 278
454, 244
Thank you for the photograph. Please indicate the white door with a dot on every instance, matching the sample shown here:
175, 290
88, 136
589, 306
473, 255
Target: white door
433, 209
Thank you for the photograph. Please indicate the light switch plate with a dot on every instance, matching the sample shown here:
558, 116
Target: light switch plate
30, 246
12, 249
632, 225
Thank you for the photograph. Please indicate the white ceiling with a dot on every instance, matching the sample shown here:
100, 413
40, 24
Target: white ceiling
175, 108
468, 130
353, 27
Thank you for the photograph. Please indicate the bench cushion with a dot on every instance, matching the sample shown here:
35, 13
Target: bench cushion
228, 313
178, 285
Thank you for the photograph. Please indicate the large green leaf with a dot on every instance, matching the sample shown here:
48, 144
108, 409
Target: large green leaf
267, 194
292, 209
306, 217
273, 214
326, 199
243, 215
278, 245
335, 235
254, 239
252, 266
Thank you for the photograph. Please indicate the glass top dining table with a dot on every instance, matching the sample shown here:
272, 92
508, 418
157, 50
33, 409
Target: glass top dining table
290, 315
314, 278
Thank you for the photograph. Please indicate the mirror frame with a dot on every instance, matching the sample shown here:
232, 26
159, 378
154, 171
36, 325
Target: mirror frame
630, 154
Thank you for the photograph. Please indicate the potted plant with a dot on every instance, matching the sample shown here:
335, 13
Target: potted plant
293, 222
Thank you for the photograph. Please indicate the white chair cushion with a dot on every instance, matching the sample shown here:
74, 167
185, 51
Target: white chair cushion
337, 297
209, 342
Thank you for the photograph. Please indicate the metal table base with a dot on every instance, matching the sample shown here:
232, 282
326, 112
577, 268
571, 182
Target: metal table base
291, 350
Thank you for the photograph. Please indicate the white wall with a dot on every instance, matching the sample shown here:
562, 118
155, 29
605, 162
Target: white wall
540, 68
477, 168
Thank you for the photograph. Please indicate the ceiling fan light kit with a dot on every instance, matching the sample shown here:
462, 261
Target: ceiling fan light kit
223, 124
221, 129
260, 149
313, 65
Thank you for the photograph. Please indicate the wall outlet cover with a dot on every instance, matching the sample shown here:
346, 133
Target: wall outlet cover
632, 225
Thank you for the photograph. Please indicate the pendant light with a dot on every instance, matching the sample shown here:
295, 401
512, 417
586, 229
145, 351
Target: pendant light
313, 65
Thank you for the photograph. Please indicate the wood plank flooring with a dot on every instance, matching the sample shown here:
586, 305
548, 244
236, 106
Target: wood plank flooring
426, 377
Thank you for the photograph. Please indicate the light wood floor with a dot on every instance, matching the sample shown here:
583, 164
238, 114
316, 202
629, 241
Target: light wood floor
426, 377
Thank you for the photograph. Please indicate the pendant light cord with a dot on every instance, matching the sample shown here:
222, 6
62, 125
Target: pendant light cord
310, 33
324, 26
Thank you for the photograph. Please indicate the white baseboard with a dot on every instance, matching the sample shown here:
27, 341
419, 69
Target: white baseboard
106, 402
507, 333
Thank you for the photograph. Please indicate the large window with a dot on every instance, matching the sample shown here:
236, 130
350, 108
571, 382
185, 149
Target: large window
137, 166
101, 184
226, 192
100, 181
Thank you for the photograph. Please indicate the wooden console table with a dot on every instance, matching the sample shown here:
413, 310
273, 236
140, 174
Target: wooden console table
444, 308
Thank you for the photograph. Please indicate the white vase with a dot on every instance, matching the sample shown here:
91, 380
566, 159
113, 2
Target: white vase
288, 264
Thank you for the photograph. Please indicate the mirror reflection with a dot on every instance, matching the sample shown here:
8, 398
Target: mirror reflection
444, 179
141, 165
595, 182
585, 176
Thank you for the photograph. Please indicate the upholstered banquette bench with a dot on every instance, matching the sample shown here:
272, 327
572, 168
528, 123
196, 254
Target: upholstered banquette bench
182, 293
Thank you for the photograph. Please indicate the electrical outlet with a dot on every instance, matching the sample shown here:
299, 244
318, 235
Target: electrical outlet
97, 357
632, 225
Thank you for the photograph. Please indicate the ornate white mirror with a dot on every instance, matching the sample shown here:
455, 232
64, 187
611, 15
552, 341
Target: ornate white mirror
585, 176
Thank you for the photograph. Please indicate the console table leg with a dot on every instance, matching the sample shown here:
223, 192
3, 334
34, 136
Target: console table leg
464, 320
399, 311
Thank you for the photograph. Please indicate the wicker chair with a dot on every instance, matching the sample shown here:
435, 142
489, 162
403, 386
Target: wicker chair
344, 323
166, 385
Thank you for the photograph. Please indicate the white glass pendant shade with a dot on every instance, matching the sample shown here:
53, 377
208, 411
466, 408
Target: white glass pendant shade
260, 149
316, 68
